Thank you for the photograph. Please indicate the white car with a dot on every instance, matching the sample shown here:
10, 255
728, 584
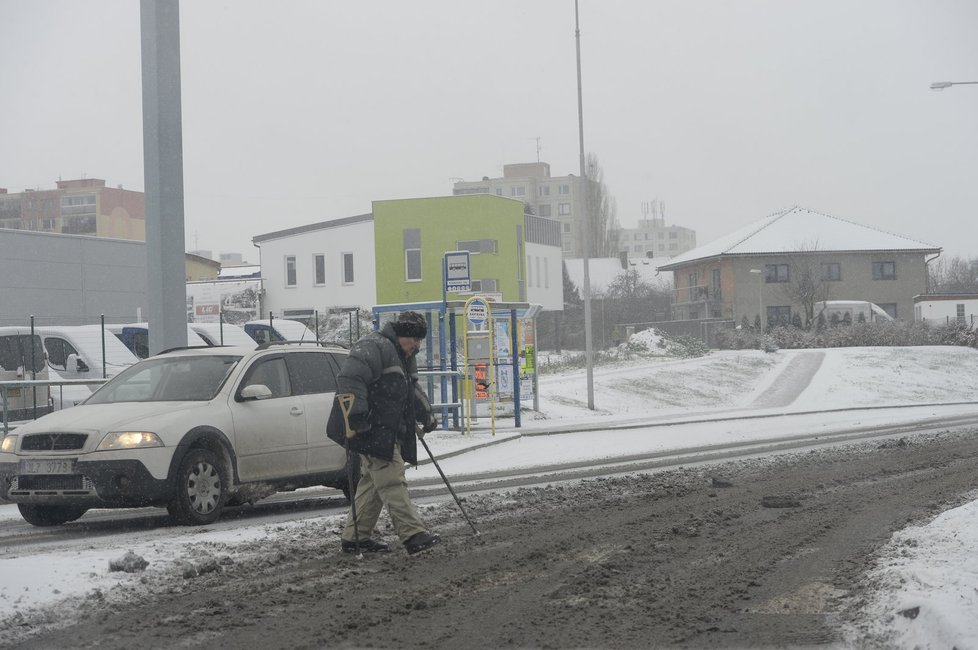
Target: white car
192, 429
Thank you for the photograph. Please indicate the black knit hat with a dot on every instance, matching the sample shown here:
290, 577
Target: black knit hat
411, 324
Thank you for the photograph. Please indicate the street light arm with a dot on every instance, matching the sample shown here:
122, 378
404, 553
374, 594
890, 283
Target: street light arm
941, 85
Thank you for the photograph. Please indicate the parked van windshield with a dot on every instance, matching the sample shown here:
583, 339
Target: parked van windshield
16, 352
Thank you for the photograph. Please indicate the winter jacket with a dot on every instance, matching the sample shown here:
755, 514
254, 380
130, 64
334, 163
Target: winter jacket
387, 398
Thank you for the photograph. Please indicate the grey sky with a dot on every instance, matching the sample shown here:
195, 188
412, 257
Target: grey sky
302, 111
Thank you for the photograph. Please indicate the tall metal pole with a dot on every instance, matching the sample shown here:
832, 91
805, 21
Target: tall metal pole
166, 286
585, 231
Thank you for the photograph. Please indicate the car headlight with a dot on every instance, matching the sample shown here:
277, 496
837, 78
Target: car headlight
129, 440
9, 442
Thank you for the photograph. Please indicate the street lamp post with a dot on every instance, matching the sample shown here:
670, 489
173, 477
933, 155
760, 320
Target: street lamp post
760, 295
941, 85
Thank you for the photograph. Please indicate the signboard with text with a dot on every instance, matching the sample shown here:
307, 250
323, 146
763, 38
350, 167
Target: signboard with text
458, 276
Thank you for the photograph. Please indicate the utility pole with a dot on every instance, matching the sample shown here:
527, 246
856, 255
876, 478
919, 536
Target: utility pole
585, 231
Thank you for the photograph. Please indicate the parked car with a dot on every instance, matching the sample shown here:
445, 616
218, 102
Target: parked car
222, 334
21, 359
135, 336
194, 430
281, 329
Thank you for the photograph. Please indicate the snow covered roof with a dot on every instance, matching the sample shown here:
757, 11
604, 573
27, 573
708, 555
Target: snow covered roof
242, 271
603, 271
798, 229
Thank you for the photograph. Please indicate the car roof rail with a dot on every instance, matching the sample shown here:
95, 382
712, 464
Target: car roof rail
190, 347
268, 344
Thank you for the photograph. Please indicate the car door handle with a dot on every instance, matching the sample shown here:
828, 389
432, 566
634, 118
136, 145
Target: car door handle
295, 411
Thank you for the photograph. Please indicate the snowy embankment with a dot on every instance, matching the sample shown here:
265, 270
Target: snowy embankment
928, 572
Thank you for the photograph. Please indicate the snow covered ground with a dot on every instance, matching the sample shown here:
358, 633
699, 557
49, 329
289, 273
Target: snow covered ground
689, 403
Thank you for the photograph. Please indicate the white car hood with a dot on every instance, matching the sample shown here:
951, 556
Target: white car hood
109, 417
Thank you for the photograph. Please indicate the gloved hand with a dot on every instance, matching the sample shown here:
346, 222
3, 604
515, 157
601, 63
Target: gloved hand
431, 425
359, 422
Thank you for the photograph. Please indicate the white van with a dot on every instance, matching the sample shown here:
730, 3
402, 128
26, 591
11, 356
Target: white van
75, 352
135, 336
222, 334
22, 359
281, 329
870, 312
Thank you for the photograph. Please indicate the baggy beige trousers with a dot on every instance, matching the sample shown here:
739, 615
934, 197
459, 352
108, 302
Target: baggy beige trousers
382, 483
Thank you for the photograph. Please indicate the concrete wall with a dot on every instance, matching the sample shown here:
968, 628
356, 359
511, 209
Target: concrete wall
70, 279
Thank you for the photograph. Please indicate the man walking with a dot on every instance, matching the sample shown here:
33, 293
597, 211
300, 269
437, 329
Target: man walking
382, 374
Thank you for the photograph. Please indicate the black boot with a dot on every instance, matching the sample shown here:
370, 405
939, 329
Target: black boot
420, 542
366, 546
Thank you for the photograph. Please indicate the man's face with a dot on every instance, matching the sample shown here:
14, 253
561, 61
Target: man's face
409, 344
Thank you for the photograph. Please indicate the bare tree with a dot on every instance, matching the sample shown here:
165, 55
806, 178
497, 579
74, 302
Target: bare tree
806, 284
602, 229
953, 275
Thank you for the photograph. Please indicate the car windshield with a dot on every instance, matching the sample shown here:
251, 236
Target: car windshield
168, 378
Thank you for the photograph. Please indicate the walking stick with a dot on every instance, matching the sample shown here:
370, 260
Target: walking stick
449, 486
346, 405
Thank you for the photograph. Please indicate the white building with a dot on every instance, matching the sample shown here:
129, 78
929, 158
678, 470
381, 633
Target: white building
946, 308
653, 238
318, 267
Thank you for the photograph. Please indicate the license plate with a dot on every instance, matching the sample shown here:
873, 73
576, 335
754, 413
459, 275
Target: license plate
47, 466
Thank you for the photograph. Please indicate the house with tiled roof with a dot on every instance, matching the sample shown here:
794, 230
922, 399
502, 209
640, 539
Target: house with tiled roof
764, 267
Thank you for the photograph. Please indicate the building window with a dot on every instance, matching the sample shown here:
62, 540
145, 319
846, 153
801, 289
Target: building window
412, 254
546, 275
672, 234
290, 279
412, 265
484, 285
563, 189
319, 263
831, 272
347, 268
566, 227
776, 273
544, 209
563, 209
529, 270
538, 271
716, 283
499, 191
691, 281
884, 270
543, 190
960, 313
779, 315
517, 190
477, 245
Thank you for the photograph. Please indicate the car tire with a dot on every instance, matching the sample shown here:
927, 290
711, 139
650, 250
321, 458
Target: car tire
41, 515
200, 489
353, 469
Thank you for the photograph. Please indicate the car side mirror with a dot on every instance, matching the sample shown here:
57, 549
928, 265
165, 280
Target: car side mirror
256, 391
80, 365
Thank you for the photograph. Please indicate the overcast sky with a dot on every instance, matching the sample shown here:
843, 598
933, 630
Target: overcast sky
302, 111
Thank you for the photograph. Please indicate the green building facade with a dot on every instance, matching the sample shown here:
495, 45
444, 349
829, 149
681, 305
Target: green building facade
411, 237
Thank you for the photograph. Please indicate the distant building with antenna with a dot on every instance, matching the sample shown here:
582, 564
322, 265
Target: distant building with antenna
653, 238
553, 197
